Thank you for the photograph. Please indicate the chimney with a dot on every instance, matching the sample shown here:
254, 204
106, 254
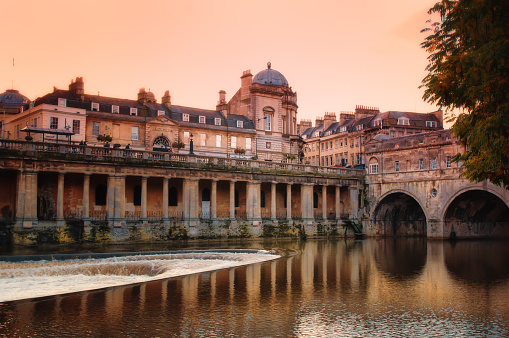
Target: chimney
304, 124
166, 99
343, 116
222, 106
328, 119
144, 96
78, 88
245, 81
318, 121
364, 111
440, 116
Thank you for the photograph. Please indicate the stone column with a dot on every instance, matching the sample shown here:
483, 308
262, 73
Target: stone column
232, 200
253, 201
273, 214
26, 206
190, 199
324, 202
144, 198
165, 198
213, 200
32, 197
307, 202
119, 201
354, 201
20, 198
86, 197
338, 202
289, 202
110, 201
60, 199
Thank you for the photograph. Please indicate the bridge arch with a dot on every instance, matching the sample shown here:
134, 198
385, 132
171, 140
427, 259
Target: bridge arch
476, 212
399, 213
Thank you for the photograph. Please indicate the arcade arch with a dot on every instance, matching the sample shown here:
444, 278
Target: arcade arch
400, 215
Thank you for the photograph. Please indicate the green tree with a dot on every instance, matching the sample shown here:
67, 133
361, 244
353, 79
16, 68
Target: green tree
469, 70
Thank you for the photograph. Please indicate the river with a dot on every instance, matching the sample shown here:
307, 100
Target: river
337, 288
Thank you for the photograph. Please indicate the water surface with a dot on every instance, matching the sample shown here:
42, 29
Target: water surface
372, 288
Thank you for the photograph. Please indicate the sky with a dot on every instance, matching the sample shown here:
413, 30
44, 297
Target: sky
335, 54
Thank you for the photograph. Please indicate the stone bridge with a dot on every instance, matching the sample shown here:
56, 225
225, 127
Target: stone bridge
435, 203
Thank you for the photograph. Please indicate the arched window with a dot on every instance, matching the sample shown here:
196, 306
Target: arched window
268, 115
236, 198
173, 197
100, 194
162, 141
137, 195
373, 165
205, 195
315, 200
262, 199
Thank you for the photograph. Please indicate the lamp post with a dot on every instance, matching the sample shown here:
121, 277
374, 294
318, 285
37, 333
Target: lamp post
191, 144
256, 140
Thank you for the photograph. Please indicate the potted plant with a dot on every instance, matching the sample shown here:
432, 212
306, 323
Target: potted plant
178, 145
105, 138
239, 151
290, 157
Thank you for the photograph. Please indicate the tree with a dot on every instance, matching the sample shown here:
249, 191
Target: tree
469, 70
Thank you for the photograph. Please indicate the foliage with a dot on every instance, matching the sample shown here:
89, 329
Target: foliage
104, 138
48, 235
469, 70
178, 145
239, 151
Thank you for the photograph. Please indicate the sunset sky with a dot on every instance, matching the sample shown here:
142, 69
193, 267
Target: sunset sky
336, 54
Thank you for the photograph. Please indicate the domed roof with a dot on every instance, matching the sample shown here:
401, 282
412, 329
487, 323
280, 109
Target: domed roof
381, 137
270, 77
13, 99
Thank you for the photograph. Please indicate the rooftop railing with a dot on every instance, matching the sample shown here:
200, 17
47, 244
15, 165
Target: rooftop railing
74, 152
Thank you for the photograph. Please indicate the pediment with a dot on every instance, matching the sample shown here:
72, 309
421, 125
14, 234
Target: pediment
163, 119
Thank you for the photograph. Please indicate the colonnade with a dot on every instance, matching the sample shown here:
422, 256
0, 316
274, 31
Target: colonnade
189, 204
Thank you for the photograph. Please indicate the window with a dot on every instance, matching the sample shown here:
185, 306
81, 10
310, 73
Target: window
346, 141
340, 143
322, 146
316, 134
432, 124
393, 134
203, 140
233, 141
201, 119
186, 137
336, 143
53, 123
315, 200
95, 106
160, 113
342, 129
100, 194
134, 111
76, 126
434, 163
377, 123
173, 197
218, 141
421, 164
236, 198
401, 133
137, 195
267, 122
62, 102
135, 133
34, 124
373, 168
115, 109
396, 165
262, 199
185, 117
359, 127
96, 128
448, 161
267, 145
313, 147
403, 121
217, 121
240, 124
248, 143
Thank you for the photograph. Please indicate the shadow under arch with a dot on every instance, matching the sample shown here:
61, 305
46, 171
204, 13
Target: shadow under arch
398, 214
476, 213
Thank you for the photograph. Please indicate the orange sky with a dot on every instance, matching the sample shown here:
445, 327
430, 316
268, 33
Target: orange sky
336, 54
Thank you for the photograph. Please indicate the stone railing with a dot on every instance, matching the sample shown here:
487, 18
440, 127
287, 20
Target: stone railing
128, 156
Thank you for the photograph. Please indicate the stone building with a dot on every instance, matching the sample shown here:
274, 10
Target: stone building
333, 142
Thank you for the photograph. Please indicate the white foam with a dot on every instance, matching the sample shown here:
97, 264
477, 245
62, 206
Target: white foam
24, 280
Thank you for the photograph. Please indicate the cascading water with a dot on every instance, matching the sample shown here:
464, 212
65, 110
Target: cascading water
31, 279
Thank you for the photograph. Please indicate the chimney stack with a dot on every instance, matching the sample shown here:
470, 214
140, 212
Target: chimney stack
78, 88
166, 99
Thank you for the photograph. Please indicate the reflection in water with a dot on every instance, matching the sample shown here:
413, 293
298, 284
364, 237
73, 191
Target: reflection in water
319, 288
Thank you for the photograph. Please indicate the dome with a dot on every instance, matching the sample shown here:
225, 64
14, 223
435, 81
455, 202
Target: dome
270, 77
13, 99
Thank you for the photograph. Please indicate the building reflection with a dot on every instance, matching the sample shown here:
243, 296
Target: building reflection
320, 282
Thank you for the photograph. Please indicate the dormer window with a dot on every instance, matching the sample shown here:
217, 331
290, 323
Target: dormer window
185, 117
95, 106
240, 124
342, 129
217, 121
202, 119
134, 111
377, 123
160, 113
316, 134
115, 109
62, 102
432, 124
359, 127
403, 121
